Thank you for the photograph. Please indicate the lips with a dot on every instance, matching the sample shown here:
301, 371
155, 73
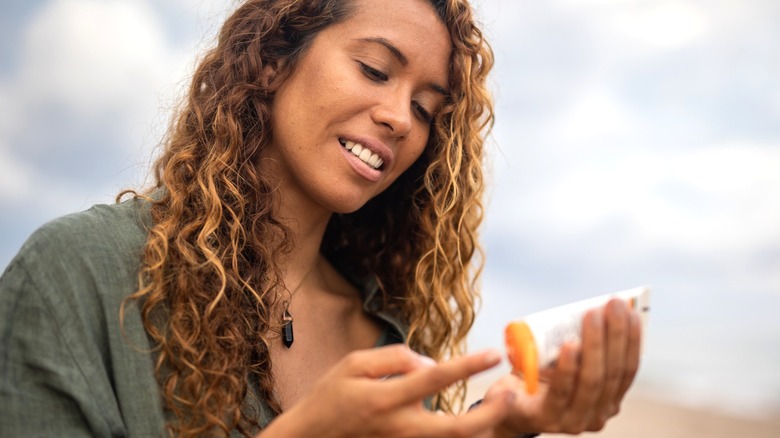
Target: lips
365, 154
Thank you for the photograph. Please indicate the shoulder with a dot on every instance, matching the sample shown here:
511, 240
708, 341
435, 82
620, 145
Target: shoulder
81, 255
78, 269
112, 228
102, 234
60, 327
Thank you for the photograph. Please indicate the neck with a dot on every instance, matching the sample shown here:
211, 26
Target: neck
303, 217
307, 225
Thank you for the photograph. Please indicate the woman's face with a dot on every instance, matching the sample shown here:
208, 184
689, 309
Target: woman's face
356, 111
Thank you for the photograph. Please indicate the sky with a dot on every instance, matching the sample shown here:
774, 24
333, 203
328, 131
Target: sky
636, 143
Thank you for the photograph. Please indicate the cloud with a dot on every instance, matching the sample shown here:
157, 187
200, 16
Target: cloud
669, 144
85, 97
665, 25
590, 117
695, 200
93, 55
82, 105
16, 178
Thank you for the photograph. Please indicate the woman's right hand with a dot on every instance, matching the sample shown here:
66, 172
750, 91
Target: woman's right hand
354, 398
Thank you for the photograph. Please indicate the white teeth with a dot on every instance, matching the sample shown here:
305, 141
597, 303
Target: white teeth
364, 154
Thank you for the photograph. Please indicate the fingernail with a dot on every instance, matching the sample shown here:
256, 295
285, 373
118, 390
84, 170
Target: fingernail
635, 319
492, 356
426, 361
511, 397
597, 319
619, 307
573, 354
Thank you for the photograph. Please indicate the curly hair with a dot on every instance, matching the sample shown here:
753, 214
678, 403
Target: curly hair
209, 280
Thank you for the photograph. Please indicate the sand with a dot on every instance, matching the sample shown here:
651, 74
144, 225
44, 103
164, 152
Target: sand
643, 416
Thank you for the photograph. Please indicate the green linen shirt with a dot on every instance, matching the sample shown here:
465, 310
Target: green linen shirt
66, 367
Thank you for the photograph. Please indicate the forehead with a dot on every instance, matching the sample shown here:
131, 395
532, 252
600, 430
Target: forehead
412, 26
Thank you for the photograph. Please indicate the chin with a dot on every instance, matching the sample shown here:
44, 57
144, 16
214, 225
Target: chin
346, 208
345, 203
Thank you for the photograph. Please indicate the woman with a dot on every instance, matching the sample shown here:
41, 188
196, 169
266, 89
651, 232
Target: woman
319, 195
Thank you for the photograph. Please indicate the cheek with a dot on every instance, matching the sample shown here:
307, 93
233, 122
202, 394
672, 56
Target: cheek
411, 153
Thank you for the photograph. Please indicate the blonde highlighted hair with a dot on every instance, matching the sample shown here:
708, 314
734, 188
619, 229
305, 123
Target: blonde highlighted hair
209, 279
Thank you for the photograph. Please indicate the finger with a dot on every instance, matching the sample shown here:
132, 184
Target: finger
632, 353
562, 383
590, 378
427, 381
509, 382
383, 361
490, 413
617, 320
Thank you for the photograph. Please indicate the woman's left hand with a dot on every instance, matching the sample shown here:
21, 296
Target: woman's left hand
588, 383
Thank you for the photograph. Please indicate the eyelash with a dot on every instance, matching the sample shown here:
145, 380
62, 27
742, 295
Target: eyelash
424, 113
378, 76
373, 73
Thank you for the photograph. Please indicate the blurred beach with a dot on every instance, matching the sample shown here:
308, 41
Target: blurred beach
644, 415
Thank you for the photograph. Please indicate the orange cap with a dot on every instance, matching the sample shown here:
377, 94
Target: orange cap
521, 349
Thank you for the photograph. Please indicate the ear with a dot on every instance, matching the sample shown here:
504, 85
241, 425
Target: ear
269, 73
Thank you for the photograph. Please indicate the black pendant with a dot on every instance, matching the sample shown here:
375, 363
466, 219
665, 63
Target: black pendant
287, 329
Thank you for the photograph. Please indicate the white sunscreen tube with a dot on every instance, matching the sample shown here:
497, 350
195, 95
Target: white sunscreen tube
534, 342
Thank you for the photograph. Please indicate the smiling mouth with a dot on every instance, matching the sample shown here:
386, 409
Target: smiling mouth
363, 153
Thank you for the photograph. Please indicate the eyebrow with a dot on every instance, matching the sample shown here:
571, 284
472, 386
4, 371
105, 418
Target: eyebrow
401, 58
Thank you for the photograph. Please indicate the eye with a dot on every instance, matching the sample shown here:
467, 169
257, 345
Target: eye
423, 113
372, 73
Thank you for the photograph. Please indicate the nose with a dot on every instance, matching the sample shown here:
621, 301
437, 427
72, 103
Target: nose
394, 112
